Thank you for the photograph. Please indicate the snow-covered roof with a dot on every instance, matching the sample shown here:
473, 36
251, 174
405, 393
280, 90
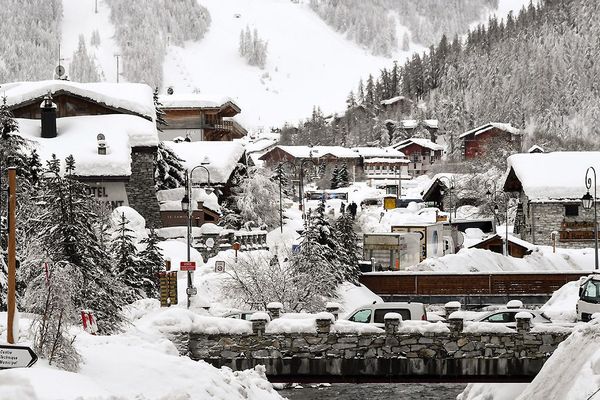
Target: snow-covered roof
170, 200
223, 158
192, 100
318, 151
535, 149
78, 136
420, 142
259, 144
392, 100
511, 239
484, 128
134, 97
383, 160
409, 123
381, 152
552, 176
431, 123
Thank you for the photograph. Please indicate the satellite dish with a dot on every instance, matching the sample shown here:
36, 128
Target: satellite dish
210, 243
60, 70
458, 237
100, 137
170, 90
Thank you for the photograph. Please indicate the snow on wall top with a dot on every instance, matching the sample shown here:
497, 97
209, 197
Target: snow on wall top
191, 100
553, 176
380, 152
77, 136
135, 97
170, 200
484, 128
419, 141
223, 158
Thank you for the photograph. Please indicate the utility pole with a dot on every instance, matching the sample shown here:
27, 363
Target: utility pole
117, 56
12, 252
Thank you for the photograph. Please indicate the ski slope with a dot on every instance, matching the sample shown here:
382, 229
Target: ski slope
308, 63
79, 17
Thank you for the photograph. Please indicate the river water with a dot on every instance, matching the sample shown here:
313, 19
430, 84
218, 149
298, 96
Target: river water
380, 391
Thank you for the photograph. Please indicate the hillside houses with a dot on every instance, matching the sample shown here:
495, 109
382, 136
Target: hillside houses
422, 154
475, 142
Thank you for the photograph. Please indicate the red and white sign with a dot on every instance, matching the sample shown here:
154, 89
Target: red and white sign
187, 266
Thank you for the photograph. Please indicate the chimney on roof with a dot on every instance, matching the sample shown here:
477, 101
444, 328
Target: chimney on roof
48, 113
101, 144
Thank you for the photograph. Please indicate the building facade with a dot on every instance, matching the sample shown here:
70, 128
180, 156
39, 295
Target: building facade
477, 142
421, 154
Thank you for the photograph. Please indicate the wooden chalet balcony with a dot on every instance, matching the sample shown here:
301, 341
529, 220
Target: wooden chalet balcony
227, 126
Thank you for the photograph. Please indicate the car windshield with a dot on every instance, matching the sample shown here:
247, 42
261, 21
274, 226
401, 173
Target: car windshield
363, 316
591, 291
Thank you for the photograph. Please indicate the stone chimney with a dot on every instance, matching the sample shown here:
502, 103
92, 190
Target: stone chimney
48, 113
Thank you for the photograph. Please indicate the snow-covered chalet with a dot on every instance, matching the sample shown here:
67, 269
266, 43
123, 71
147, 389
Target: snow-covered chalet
108, 128
550, 187
477, 141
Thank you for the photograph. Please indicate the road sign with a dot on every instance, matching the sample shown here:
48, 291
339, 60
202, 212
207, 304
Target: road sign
295, 249
236, 246
16, 357
187, 266
219, 266
191, 291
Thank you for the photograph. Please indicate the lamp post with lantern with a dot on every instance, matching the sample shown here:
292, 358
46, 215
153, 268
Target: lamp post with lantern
587, 201
492, 197
450, 187
187, 206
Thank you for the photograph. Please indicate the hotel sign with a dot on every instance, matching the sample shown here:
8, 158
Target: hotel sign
576, 230
111, 193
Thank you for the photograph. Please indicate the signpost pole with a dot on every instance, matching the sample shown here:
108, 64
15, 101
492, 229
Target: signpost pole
12, 251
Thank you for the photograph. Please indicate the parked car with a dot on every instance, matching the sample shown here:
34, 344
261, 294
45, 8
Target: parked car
374, 313
507, 316
589, 298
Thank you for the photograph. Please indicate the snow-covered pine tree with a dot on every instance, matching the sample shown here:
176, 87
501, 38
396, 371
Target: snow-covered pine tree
34, 164
67, 231
348, 247
168, 171
280, 177
126, 260
256, 199
160, 114
12, 145
343, 176
95, 38
83, 67
335, 177
152, 262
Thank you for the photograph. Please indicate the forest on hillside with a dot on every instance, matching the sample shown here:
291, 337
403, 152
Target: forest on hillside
373, 24
30, 34
537, 71
144, 29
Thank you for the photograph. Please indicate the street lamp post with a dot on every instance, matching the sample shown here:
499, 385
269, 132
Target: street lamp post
450, 187
281, 164
187, 206
301, 181
587, 201
492, 196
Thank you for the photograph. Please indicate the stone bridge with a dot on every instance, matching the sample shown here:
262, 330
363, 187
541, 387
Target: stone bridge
407, 351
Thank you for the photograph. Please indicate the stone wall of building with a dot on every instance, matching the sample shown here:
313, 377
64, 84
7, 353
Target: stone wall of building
541, 219
141, 193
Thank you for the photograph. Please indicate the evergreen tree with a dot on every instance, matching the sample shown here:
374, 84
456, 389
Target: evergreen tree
83, 67
168, 171
343, 178
348, 247
34, 167
68, 235
127, 263
335, 178
13, 147
280, 177
152, 262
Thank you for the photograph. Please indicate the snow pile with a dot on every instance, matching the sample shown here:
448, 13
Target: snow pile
222, 158
492, 391
77, 136
561, 305
479, 260
411, 326
135, 97
136, 222
140, 363
170, 200
573, 371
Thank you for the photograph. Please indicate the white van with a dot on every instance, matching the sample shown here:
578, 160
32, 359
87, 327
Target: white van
589, 298
374, 313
